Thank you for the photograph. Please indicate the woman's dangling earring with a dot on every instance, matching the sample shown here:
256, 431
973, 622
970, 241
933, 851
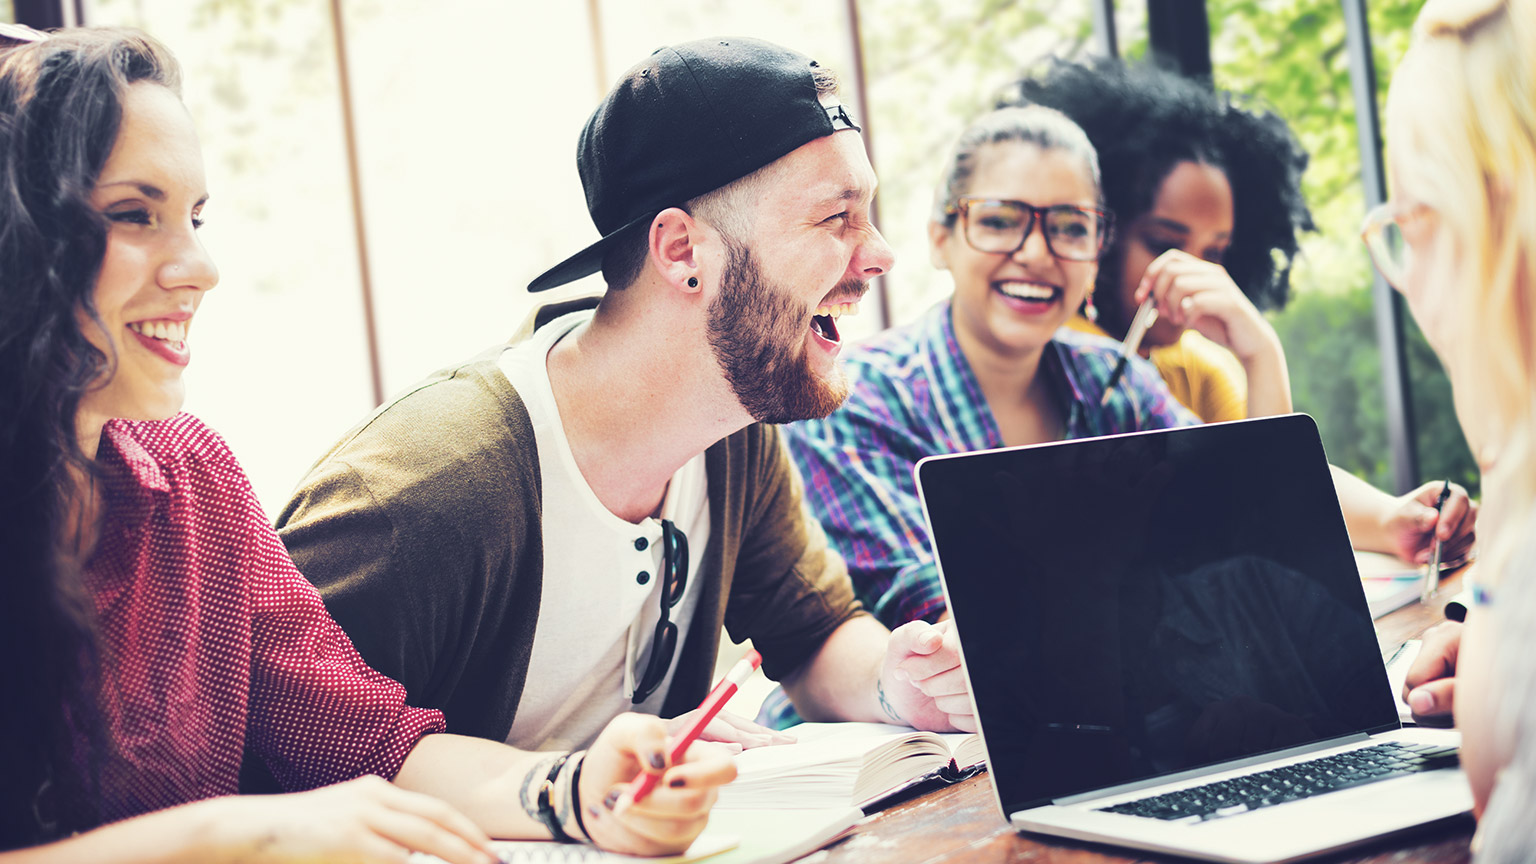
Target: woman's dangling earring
1090, 311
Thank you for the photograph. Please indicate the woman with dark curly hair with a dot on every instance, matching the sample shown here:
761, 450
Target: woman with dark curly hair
158, 640
1206, 190
1208, 200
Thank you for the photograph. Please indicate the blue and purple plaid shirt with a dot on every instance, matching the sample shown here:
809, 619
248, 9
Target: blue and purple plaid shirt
914, 395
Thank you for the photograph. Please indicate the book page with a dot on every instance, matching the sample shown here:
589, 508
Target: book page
1397, 676
823, 767
543, 852
777, 836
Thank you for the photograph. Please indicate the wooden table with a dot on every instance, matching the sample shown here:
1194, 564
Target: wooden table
962, 823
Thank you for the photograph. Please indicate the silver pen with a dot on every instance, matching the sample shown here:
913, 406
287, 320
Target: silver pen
1146, 316
1432, 572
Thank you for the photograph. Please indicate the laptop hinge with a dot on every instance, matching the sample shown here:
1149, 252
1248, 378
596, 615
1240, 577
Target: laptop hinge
1163, 779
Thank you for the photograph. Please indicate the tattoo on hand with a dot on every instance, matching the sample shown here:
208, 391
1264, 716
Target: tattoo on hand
528, 795
885, 704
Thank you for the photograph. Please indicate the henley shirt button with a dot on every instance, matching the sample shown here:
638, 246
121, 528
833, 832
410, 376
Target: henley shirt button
643, 577
640, 544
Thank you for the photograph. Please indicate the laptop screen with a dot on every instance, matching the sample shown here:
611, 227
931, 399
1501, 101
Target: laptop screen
1138, 605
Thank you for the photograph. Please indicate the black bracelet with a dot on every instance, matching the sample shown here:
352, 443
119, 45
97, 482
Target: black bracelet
581, 759
546, 810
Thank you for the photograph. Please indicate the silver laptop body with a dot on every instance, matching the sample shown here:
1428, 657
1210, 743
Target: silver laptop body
1151, 613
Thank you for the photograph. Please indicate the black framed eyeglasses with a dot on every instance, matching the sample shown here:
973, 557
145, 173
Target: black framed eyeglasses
1000, 227
674, 580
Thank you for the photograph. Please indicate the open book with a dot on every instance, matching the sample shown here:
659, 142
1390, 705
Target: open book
842, 764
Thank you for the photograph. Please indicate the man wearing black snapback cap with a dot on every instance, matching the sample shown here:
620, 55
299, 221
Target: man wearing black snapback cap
554, 532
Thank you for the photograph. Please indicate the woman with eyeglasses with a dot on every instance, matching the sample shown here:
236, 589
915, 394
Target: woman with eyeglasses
1208, 203
1458, 240
1019, 223
157, 639
1206, 190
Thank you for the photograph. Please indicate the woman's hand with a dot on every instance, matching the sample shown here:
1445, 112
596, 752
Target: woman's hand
366, 820
669, 818
1412, 526
1429, 688
1198, 294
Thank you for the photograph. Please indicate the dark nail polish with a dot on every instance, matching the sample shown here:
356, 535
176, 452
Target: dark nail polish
658, 760
611, 799
593, 811
678, 783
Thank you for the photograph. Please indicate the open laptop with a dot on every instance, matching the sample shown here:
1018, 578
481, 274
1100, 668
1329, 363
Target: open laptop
1163, 631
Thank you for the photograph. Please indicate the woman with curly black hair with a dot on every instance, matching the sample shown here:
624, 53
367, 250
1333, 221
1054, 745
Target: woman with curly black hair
157, 639
1206, 190
1208, 200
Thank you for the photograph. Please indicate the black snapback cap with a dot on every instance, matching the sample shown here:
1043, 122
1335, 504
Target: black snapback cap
690, 119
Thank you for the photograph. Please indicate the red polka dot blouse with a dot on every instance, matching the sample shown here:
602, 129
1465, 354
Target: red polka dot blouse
212, 642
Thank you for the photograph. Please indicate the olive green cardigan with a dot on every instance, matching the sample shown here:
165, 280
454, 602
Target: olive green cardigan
421, 528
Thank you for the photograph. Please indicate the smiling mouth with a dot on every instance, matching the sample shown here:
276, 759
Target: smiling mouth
1029, 292
174, 332
824, 322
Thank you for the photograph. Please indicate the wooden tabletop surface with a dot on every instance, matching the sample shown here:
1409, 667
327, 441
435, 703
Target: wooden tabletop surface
963, 823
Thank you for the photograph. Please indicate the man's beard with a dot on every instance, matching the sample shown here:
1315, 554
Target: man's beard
754, 329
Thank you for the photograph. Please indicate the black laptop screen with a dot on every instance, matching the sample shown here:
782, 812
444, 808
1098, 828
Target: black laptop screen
1139, 605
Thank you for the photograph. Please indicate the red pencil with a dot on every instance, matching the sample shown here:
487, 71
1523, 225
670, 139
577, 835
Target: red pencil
642, 785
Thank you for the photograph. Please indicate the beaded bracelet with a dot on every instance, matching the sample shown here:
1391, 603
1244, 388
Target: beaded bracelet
546, 810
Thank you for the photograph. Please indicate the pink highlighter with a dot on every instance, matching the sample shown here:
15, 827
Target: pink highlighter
642, 785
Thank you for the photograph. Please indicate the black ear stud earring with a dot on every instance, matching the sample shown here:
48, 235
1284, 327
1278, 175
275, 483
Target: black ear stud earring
693, 282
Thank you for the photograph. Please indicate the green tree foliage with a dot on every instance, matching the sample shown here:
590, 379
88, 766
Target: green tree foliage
1288, 55
1336, 377
1291, 55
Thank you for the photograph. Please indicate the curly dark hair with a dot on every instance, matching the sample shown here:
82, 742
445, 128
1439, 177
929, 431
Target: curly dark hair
1144, 121
60, 109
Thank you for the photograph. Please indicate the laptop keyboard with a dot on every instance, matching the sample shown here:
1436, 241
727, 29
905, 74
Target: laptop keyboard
1291, 782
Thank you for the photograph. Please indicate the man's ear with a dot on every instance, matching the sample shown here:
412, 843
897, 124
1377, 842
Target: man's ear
938, 235
673, 240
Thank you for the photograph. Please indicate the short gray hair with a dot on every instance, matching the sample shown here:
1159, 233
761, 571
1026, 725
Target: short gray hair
1043, 127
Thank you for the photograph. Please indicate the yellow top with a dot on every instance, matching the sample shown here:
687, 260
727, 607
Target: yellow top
1202, 375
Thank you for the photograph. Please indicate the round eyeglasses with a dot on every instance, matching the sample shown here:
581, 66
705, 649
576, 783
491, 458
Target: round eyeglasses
1382, 232
1000, 227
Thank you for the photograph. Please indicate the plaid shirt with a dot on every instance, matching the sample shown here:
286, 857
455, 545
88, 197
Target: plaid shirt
914, 395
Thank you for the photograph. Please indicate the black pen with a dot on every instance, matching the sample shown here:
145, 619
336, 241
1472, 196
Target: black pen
1432, 573
1146, 314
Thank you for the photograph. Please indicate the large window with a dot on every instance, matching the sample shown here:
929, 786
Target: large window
467, 114
1328, 326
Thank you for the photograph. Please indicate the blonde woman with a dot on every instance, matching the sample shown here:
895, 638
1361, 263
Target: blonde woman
1459, 241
